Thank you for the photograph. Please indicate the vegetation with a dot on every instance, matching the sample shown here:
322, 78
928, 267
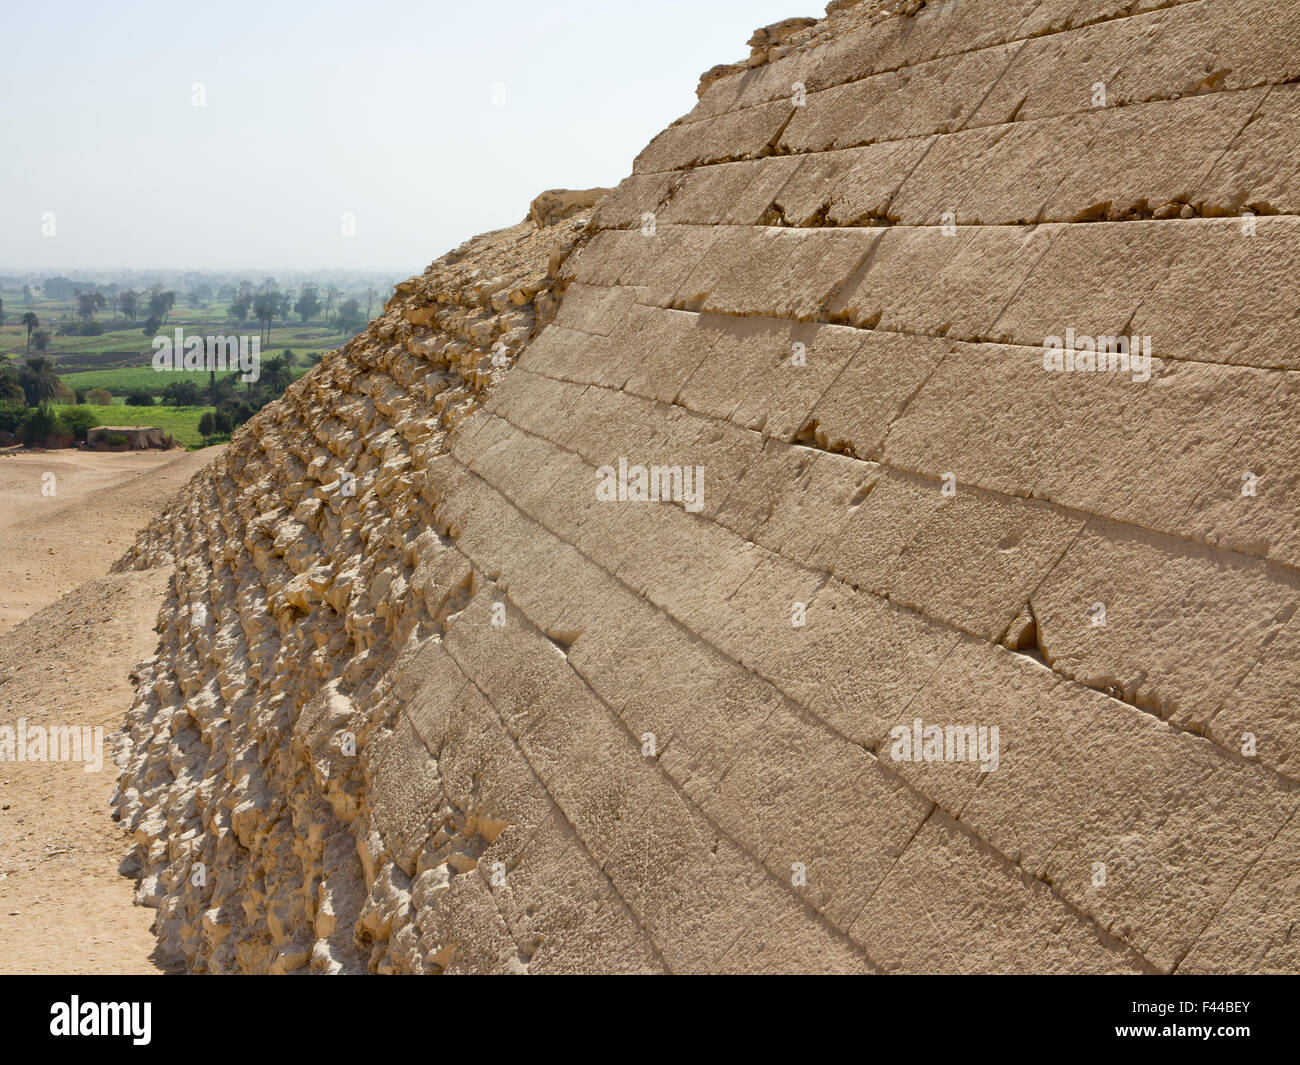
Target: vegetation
181, 422
12, 415
184, 393
84, 348
76, 421
30, 323
39, 425
39, 382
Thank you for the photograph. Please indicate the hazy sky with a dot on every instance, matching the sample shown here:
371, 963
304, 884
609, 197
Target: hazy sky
381, 108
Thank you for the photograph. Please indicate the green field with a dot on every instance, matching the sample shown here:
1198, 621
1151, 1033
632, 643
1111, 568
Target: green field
181, 422
119, 358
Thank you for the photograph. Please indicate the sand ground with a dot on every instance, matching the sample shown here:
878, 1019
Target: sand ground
69, 638
51, 543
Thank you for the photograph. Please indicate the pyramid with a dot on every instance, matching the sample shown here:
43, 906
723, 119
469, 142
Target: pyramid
865, 540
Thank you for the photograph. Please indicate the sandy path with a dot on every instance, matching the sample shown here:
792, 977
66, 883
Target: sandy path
50, 544
63, 905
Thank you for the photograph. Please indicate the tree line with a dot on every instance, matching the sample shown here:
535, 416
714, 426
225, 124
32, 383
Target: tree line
264, 304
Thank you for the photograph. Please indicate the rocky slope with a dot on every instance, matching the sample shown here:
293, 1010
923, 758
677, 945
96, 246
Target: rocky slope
438, 690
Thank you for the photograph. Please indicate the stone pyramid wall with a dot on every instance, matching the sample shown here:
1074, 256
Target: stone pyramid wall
495, 711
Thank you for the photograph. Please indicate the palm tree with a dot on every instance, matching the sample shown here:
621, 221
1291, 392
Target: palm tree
39, 377
269, 303
31, 322
276, 374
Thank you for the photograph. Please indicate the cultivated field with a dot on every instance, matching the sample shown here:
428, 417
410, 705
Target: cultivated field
118, 359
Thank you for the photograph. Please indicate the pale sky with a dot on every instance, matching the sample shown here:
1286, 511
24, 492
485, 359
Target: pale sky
381, 108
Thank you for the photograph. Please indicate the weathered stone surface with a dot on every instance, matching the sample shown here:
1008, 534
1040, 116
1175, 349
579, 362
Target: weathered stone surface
555, 205
729, 193
1062, 428
1252, 932
1181, 50
855, 186
738, 135
884, 373
1259, 172
980, 915
1169, 626
1083, 779
1113, 164
766, 374
929, 98
936, 282
780, 273
1261, 717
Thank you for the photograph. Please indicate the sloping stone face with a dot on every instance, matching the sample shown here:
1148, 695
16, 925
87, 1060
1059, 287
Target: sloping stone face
786, 606
269, 770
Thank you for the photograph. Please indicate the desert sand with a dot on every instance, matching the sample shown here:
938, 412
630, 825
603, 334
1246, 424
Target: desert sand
51, 543
72, 636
